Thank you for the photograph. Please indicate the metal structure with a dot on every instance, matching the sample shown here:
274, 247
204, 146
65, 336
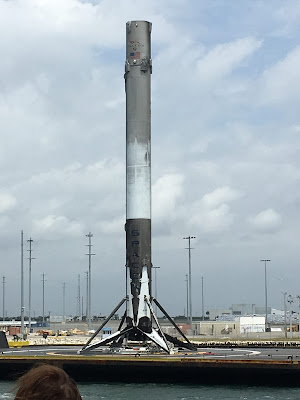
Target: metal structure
190, 280
266, 294
43, 281
290, 301
284, 305
87, 294
89, 254
22, 286
3, 298
139, 319
187, 295
298, 297
30, 241
64, 301
78, 299
202, 295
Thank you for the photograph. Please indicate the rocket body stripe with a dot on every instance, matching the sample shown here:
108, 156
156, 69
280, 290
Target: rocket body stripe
138, 181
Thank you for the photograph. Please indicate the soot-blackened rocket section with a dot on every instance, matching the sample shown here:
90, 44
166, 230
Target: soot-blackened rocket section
138, 69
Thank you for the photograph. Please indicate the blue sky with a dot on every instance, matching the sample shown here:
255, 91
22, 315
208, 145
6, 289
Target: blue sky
225, 145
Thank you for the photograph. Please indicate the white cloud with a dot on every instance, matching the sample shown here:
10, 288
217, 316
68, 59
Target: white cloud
219, 196
74, 174
295, 128
115, 226
56, 226
94, 188
166, 192
7, 201
224, 58
289, 15
4, 222
267, 221
280, 82
215, 220
212, 213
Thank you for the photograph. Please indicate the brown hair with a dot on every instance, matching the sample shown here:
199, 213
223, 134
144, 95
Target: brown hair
46, 382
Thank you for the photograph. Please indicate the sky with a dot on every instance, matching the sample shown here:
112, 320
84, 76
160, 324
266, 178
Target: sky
225, 150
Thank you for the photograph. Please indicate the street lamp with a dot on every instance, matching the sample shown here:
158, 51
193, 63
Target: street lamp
202, 298
3, 285
266, 294
187, 296
22, 285
190, 279
43, 280
90, 254
284, 304
87, 294
290, 301
64, 301
298, 297
30, 241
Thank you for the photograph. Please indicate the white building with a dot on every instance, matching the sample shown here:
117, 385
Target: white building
252, 324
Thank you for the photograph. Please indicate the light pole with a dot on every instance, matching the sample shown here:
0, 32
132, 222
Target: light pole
290, 301
187, 296
90, 235
29, 293
64, 298
43, 280
78, 299
298, 297
22, 285
202, 298
266, 294
3, 311
190, 280
284, 305
87, 294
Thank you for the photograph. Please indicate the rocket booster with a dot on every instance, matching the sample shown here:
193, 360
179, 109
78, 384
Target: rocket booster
139, 311
138, 69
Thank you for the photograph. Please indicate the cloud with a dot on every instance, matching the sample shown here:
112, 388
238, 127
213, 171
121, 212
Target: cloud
224, 58
114, 226
215, 220
267, 221
53, 226
212, 213
61, 191
7, 201
219, 196
166, 192
295, 128
288, 14
279, 83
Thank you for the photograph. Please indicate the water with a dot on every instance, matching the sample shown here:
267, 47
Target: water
152, 391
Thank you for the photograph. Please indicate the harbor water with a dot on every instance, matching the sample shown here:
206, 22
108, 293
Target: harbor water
151, 391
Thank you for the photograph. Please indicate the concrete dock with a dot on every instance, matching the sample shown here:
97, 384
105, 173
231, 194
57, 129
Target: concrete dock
230, 367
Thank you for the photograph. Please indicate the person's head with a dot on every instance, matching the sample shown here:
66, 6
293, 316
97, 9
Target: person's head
46, 382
